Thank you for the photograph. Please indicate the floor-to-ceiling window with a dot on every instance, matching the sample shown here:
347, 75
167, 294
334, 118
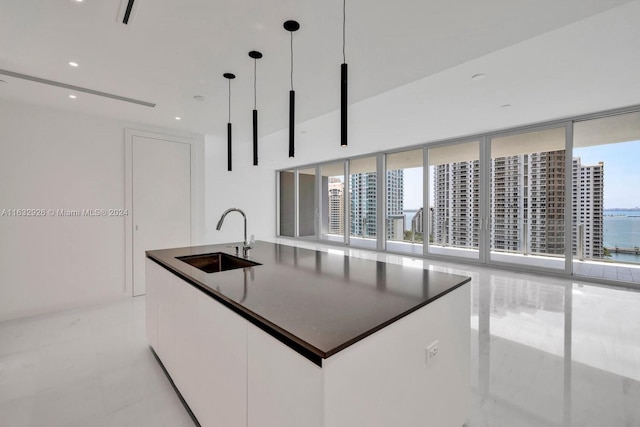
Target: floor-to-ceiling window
606, 198
404, 226
527, 198
513, 198
363, 202
454, 195
287, 205
307, 202
333, 196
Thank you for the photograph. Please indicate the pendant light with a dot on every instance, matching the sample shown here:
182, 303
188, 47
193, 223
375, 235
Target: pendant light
292, 26
255, 55
343, 81
230, 77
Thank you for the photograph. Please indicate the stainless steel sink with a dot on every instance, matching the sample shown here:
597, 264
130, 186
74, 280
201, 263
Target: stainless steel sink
216, 262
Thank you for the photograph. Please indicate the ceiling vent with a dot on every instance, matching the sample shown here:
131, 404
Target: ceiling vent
75, 88
127, 11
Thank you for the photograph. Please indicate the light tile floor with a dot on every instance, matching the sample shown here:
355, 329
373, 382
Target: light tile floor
87, 367
545, 352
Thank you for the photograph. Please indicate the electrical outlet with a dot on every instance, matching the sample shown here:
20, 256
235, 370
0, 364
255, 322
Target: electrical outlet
432, 351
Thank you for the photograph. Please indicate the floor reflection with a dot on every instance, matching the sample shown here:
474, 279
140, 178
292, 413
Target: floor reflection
552, 352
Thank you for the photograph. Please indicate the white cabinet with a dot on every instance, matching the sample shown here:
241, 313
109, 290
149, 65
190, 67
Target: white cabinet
385, 380
222, 361
166, 335
151, 301
185, 340
202, 345
285, 388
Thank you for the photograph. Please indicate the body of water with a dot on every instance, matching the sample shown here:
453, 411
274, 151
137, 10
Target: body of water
622, 229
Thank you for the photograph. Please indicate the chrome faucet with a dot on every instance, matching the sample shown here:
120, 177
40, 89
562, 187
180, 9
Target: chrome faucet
245, 245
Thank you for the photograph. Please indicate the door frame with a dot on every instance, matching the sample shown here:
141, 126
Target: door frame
197, 191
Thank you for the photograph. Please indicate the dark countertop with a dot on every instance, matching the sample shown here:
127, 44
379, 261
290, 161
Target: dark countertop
316, 302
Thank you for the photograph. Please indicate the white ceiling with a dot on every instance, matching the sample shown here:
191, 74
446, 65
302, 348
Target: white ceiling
175, 50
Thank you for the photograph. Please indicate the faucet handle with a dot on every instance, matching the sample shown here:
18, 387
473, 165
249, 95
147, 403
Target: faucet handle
248, 245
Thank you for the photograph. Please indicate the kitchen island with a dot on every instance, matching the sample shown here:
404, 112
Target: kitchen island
310, 338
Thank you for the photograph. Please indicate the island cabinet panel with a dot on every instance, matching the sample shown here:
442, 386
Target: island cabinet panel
151, 301
285, 388
185, 326
166, 328
202, 345
222, 383
385, 380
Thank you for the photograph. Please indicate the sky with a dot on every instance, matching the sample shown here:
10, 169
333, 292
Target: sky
413, 189
621, 175
621, 171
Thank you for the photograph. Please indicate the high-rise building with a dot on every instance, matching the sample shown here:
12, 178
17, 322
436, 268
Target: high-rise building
456, 204
588, 186
527, 203
508, 203
363, 198
395, 202
336, 205
545, 203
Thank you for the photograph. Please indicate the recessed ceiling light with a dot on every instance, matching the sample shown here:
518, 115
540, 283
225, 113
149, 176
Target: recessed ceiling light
199, 98
479, 76
178, 118
77, 1
72, 96
73, 64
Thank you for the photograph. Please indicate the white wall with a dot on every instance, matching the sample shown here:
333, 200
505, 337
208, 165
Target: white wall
53, 159
582, 68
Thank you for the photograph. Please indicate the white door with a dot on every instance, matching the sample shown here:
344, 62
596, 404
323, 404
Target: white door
161, 175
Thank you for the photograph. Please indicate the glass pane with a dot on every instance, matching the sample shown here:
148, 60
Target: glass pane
528, 198
606, 198
287, 204
404, 201
454, 171
307, 202
363, 201
333, 196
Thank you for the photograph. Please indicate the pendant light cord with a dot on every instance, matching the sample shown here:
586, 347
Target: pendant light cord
255, 97
229, 100
344, 20
291, 60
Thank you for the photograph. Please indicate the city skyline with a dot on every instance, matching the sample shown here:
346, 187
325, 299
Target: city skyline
527, 205
622, 158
